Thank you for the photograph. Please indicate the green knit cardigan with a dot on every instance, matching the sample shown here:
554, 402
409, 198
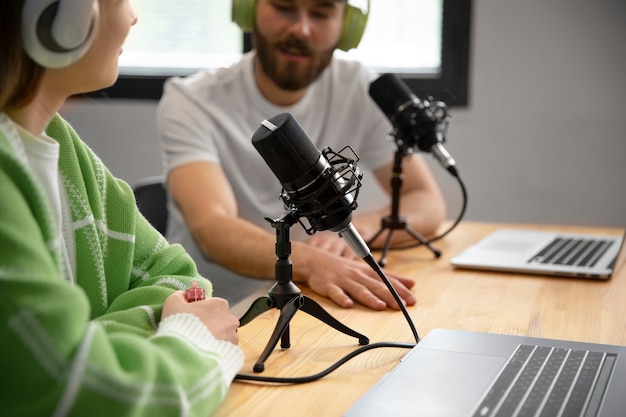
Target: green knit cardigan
96, 347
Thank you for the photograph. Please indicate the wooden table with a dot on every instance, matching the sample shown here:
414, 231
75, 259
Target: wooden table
561, 308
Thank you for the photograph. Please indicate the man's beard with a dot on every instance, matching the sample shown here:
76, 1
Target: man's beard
289, 75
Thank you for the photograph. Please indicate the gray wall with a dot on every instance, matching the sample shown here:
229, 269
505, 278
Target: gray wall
544, 136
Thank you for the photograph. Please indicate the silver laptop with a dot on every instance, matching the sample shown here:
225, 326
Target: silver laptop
540, 252
454, 373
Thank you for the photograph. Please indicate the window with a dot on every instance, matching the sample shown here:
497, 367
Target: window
394, 43
171, 39
425, 41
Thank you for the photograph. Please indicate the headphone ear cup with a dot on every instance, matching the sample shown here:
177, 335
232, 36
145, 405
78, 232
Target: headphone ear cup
354, 23
242, 13
38, 30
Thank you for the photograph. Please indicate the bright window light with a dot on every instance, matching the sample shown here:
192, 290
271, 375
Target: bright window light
170, 38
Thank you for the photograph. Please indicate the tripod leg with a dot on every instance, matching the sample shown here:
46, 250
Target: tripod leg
423, 241
311, 307
285, 340
383, 257
258, 307
286, 314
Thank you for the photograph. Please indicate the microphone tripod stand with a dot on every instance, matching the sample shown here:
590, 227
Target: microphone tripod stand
286, 296
394, 221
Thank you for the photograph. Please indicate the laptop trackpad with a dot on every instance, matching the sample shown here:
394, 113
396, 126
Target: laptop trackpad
451, 384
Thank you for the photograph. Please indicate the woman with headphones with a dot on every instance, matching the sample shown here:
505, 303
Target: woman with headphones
93, 315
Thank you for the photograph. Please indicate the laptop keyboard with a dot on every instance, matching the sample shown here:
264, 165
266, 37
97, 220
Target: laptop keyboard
547, 381
574, 252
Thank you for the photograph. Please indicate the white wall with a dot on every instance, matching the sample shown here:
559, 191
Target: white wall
542, 140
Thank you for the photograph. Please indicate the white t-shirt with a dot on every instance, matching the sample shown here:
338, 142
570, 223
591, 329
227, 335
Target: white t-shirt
211, 116
42, 155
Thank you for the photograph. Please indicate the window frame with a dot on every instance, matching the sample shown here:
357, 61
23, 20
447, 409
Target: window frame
451, 86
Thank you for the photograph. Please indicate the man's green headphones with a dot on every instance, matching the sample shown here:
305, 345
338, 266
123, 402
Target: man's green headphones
354, 22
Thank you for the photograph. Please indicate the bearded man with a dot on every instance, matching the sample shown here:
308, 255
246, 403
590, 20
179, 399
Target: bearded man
221, 189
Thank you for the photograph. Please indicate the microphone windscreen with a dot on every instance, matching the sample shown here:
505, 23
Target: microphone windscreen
390, 92
285, 147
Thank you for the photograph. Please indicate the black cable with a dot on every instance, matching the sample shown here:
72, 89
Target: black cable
315, 377
301, 380
376, 267
461, 212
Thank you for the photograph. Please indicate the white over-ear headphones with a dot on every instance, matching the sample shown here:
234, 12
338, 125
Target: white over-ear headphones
56, 33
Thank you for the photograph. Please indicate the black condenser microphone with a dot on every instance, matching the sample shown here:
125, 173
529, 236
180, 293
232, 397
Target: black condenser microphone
414, 122
311, 184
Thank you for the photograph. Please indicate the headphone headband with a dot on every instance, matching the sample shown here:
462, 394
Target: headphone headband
354, 21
